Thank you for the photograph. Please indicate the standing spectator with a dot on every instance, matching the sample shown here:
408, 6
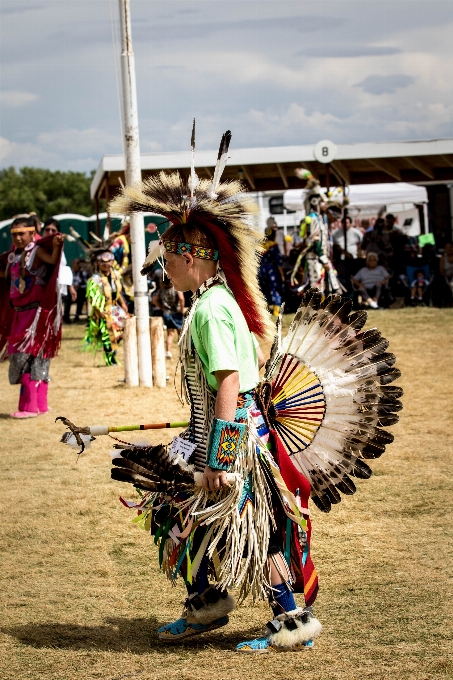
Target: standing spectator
80, 276
154, 280
65, 279
396, 260
36, 222
446, 265
398, 241
270, 273
370, 280
376, 240
347, 256
354, 236
442, 286
171, 302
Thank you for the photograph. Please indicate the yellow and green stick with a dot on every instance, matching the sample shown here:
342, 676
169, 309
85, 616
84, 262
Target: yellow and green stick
83, 436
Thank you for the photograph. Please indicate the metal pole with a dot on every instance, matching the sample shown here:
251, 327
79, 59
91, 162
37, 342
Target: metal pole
345, 231
262, 220
133, 175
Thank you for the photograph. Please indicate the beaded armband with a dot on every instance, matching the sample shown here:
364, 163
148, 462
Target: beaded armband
224, 442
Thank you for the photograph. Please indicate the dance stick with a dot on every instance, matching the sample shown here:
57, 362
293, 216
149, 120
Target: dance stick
97, 430
83, 435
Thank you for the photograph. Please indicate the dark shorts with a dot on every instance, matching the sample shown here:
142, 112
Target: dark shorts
174, 321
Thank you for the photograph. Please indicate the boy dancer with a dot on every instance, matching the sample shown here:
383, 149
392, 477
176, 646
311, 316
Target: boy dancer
260, 448
211, 251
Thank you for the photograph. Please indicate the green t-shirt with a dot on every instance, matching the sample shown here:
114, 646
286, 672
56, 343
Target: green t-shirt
222, 339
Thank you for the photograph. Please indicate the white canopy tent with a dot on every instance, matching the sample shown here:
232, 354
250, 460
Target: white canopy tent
367, 200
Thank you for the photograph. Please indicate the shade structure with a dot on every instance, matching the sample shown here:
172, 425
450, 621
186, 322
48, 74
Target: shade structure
362, 195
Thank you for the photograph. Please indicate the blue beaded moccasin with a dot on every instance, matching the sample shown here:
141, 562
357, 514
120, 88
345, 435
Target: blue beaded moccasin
182, 629
263, 644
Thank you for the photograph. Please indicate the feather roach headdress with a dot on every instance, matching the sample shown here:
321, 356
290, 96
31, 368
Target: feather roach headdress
314, 195
222, 211
98, 247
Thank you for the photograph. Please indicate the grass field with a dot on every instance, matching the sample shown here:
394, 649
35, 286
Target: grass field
81, 597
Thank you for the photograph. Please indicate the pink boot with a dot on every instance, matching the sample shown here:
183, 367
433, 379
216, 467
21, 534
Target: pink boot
28, 399
43, 387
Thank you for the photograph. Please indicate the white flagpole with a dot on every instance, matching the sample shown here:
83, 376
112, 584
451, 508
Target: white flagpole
133, 174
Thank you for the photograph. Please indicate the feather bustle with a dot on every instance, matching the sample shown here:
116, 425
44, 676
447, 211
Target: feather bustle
353, 370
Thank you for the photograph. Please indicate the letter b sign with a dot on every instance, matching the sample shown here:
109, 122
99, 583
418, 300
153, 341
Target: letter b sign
325, 151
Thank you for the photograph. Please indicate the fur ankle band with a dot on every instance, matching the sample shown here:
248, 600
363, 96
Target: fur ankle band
293, 628
209, 606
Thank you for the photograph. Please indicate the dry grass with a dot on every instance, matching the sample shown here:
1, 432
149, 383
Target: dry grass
81, 595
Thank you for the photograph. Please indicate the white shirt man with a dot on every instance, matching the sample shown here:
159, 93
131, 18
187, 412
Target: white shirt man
353, 240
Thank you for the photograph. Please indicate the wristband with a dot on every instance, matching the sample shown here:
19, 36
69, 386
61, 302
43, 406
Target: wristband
224, 442
323, 259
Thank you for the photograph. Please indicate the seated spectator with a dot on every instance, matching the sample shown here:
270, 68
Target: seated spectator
171, 302
370, 280
419, 285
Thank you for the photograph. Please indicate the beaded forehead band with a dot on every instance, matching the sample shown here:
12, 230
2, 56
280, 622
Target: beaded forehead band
17, 230
196, 251
105, 257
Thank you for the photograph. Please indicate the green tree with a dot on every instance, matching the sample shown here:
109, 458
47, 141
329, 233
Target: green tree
44, 192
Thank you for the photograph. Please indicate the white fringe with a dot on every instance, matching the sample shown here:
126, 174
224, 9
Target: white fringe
219, 510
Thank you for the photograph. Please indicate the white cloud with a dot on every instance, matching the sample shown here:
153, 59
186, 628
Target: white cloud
72, 141
5, 149
295, 115
66, 149
13, 98
20, 154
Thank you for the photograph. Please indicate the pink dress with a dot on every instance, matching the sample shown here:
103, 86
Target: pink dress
25, 299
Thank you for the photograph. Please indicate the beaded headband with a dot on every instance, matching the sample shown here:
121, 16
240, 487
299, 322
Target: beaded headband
196, 251
105, 257
16, 230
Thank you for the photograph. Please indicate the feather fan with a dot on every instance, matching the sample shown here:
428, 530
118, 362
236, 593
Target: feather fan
152, 469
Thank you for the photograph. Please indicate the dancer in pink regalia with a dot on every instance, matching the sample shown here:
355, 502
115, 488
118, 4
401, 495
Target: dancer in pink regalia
30, 321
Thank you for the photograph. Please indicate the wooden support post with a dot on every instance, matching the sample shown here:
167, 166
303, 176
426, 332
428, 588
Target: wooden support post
107, 201
249, 177
156, 327
130, 352
96, 210
282, 173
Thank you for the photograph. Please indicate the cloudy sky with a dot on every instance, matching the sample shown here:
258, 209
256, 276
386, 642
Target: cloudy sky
275, 72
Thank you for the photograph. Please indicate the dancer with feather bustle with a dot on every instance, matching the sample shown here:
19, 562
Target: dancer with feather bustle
260, 448
318, 270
